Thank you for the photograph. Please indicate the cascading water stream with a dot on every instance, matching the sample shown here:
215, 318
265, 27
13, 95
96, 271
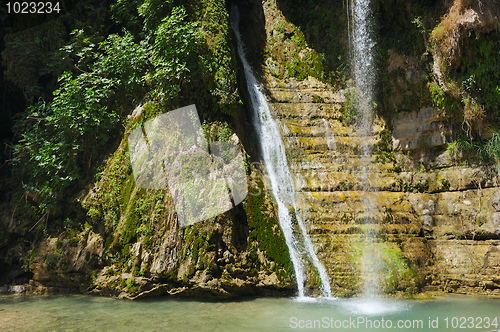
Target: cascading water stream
273, 152
363, 61
364, 66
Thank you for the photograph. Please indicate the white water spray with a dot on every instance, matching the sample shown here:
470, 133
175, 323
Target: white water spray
365, 78
364, 65
273, 152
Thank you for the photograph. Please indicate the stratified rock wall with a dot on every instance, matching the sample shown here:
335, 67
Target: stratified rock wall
441, 219
436, 218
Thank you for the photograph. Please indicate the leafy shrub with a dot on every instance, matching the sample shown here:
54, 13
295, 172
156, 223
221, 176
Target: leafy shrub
383, 148
349, 109
441, 99
58, 141
174, 43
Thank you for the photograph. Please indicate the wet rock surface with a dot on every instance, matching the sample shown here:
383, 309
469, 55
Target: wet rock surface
437, 227
436, 221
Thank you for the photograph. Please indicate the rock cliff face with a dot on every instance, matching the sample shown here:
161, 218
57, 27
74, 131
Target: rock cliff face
114, 238
438, 224
435, 218
240, 253
144, 252
435, 213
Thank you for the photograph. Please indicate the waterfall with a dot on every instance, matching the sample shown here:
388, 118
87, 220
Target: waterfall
364, 72
364, 65
273, 152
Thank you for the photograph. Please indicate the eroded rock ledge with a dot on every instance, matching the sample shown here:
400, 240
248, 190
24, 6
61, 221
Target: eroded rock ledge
437, 222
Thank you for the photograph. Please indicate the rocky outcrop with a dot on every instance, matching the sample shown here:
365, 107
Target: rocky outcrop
239, 253
226, 257
439, 219
477, 16
418, 130
329, 168
433, 217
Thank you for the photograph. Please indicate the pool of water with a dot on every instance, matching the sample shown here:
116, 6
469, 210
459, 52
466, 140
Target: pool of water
86, 313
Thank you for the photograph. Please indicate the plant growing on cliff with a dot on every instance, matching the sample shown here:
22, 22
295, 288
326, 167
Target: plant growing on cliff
349, 108
383, 148
446, 34
492, 148
58, 141
466, 67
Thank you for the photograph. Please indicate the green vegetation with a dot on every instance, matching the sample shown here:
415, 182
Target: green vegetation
397, 269
480, 71
444, 184
266, 234
470, 90
158, 54
130, 286
349, 109
60, 139
492, 147
162, 55
461, 63
383, 148
289, 56
306, 41
472, 151
441, 100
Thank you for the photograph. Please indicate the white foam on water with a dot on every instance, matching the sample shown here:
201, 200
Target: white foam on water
374, 306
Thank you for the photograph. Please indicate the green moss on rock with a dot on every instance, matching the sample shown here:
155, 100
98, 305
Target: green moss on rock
266, 234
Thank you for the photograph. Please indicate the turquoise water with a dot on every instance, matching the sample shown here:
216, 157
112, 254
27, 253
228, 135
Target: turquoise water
86, 313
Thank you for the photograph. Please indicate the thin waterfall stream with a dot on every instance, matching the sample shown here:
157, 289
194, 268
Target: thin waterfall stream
273, 152
364, 72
